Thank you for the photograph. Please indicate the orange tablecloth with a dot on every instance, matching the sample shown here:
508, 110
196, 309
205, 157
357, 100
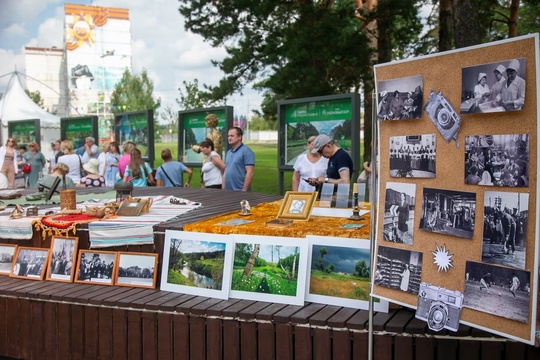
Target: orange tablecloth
317, 225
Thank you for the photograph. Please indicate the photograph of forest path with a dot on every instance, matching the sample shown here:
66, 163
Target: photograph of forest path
196, 263
271, 269
340, 272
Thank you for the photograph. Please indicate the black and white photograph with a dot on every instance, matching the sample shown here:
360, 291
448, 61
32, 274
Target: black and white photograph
497, 290
443, 116
297, 206
63, 256
30, 263
412, 156
506, 216
448, 212
493, 87
96, 267
136, 270
498, 160
7, 252
399, 213
400, 99
399, 269
439, 307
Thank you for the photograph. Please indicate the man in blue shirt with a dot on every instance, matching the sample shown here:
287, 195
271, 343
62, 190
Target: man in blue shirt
239, 163
170, 173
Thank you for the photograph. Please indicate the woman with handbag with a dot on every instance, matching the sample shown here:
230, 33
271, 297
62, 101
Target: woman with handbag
8, 161
138, 171
37, 161
73, 161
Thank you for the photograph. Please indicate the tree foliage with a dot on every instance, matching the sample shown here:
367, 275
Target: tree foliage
35, 96
133, 93
191, 97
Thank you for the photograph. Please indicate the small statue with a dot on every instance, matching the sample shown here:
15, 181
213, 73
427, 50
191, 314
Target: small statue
245, 208
17, 213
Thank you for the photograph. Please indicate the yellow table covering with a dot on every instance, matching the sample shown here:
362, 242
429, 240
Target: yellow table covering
317, 225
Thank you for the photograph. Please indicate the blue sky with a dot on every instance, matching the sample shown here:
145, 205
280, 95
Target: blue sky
160, 44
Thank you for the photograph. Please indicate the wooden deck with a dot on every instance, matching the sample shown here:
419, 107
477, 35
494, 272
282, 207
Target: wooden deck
54, 320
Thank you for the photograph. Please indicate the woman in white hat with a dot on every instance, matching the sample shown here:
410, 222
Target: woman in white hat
481, 90
92, 178
513, 90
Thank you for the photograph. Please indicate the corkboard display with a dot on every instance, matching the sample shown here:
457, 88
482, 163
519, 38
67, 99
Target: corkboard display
443, 72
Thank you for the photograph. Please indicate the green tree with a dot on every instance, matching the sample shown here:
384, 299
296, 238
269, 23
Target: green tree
319, 263
193, 98
35, 96
361, 268
329, 269
133, 93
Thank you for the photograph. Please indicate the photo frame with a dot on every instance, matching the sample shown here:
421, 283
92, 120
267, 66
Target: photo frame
297, 205
136, 270
339, 273
266, 280
96, 267
197, 264
62, 260
7, 254
30, 263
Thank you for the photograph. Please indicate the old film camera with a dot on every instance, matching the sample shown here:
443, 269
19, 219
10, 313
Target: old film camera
443, 116
439, 307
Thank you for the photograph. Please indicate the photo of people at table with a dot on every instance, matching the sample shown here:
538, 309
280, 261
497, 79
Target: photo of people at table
400, 99
493, 87
499, 160
505, 227
412, 156
448, 212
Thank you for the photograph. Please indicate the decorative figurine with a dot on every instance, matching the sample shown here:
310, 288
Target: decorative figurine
245, 208
17, 213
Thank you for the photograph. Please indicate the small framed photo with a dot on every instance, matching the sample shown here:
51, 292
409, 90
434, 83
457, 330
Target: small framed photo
62, 261
7, 252
136, 270
297, 205
96, 267
30, 263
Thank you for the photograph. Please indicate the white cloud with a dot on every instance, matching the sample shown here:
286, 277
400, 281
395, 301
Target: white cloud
14, 30
50, 33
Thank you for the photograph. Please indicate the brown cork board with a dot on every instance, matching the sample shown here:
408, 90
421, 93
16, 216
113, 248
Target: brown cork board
443, 72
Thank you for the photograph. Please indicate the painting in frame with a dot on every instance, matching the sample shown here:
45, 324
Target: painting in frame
96, 267
269, 268
30, 263
136, 270
7, 254
197, 264
297, 205
339, 273
63, 255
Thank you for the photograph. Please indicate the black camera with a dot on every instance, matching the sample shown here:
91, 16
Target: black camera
439, 307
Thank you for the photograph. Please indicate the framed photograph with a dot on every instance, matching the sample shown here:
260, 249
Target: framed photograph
497, 160
136, 270
448, 212
412, 156
498, 290
7, 252
96, 267
400, 99
267, 268
398, 269
62, 260
339, 273
197, 264
297, 205
399, 212
30, 263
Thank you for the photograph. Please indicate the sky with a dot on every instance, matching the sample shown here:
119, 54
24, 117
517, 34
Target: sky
160, 44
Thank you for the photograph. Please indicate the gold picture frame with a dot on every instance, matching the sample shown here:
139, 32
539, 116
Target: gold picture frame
297, 205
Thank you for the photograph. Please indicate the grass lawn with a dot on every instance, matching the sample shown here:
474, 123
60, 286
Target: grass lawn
266, 178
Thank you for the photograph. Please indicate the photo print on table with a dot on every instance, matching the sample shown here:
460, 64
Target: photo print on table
443, 116
399, 212
448, 212
136, 270
96, 267
269, 268
400, 99
412, 156
197, 263
493, 87
399, 269
506, 217
339, 273
7, 252
499, 160
63, 259
497, 290
30, 263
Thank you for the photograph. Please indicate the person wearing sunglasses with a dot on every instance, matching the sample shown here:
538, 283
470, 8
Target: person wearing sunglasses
340, 164
8, 161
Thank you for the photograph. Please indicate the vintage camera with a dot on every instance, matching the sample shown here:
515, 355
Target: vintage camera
443, 116
439, 307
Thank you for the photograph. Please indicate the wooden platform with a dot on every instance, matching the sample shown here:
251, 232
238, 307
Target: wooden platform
53, 320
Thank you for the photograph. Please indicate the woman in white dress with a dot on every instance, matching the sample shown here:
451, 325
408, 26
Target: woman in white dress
308, 165
481, 90
73, 161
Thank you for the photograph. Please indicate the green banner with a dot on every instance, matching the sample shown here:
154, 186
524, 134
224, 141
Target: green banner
196, 120
79, 125
318, 111
22, 127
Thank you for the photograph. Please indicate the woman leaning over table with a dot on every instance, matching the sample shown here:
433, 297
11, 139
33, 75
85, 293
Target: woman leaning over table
308, 166
138, 171
8, 161
37, 161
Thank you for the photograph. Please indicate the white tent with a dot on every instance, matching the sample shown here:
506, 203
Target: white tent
15, 105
